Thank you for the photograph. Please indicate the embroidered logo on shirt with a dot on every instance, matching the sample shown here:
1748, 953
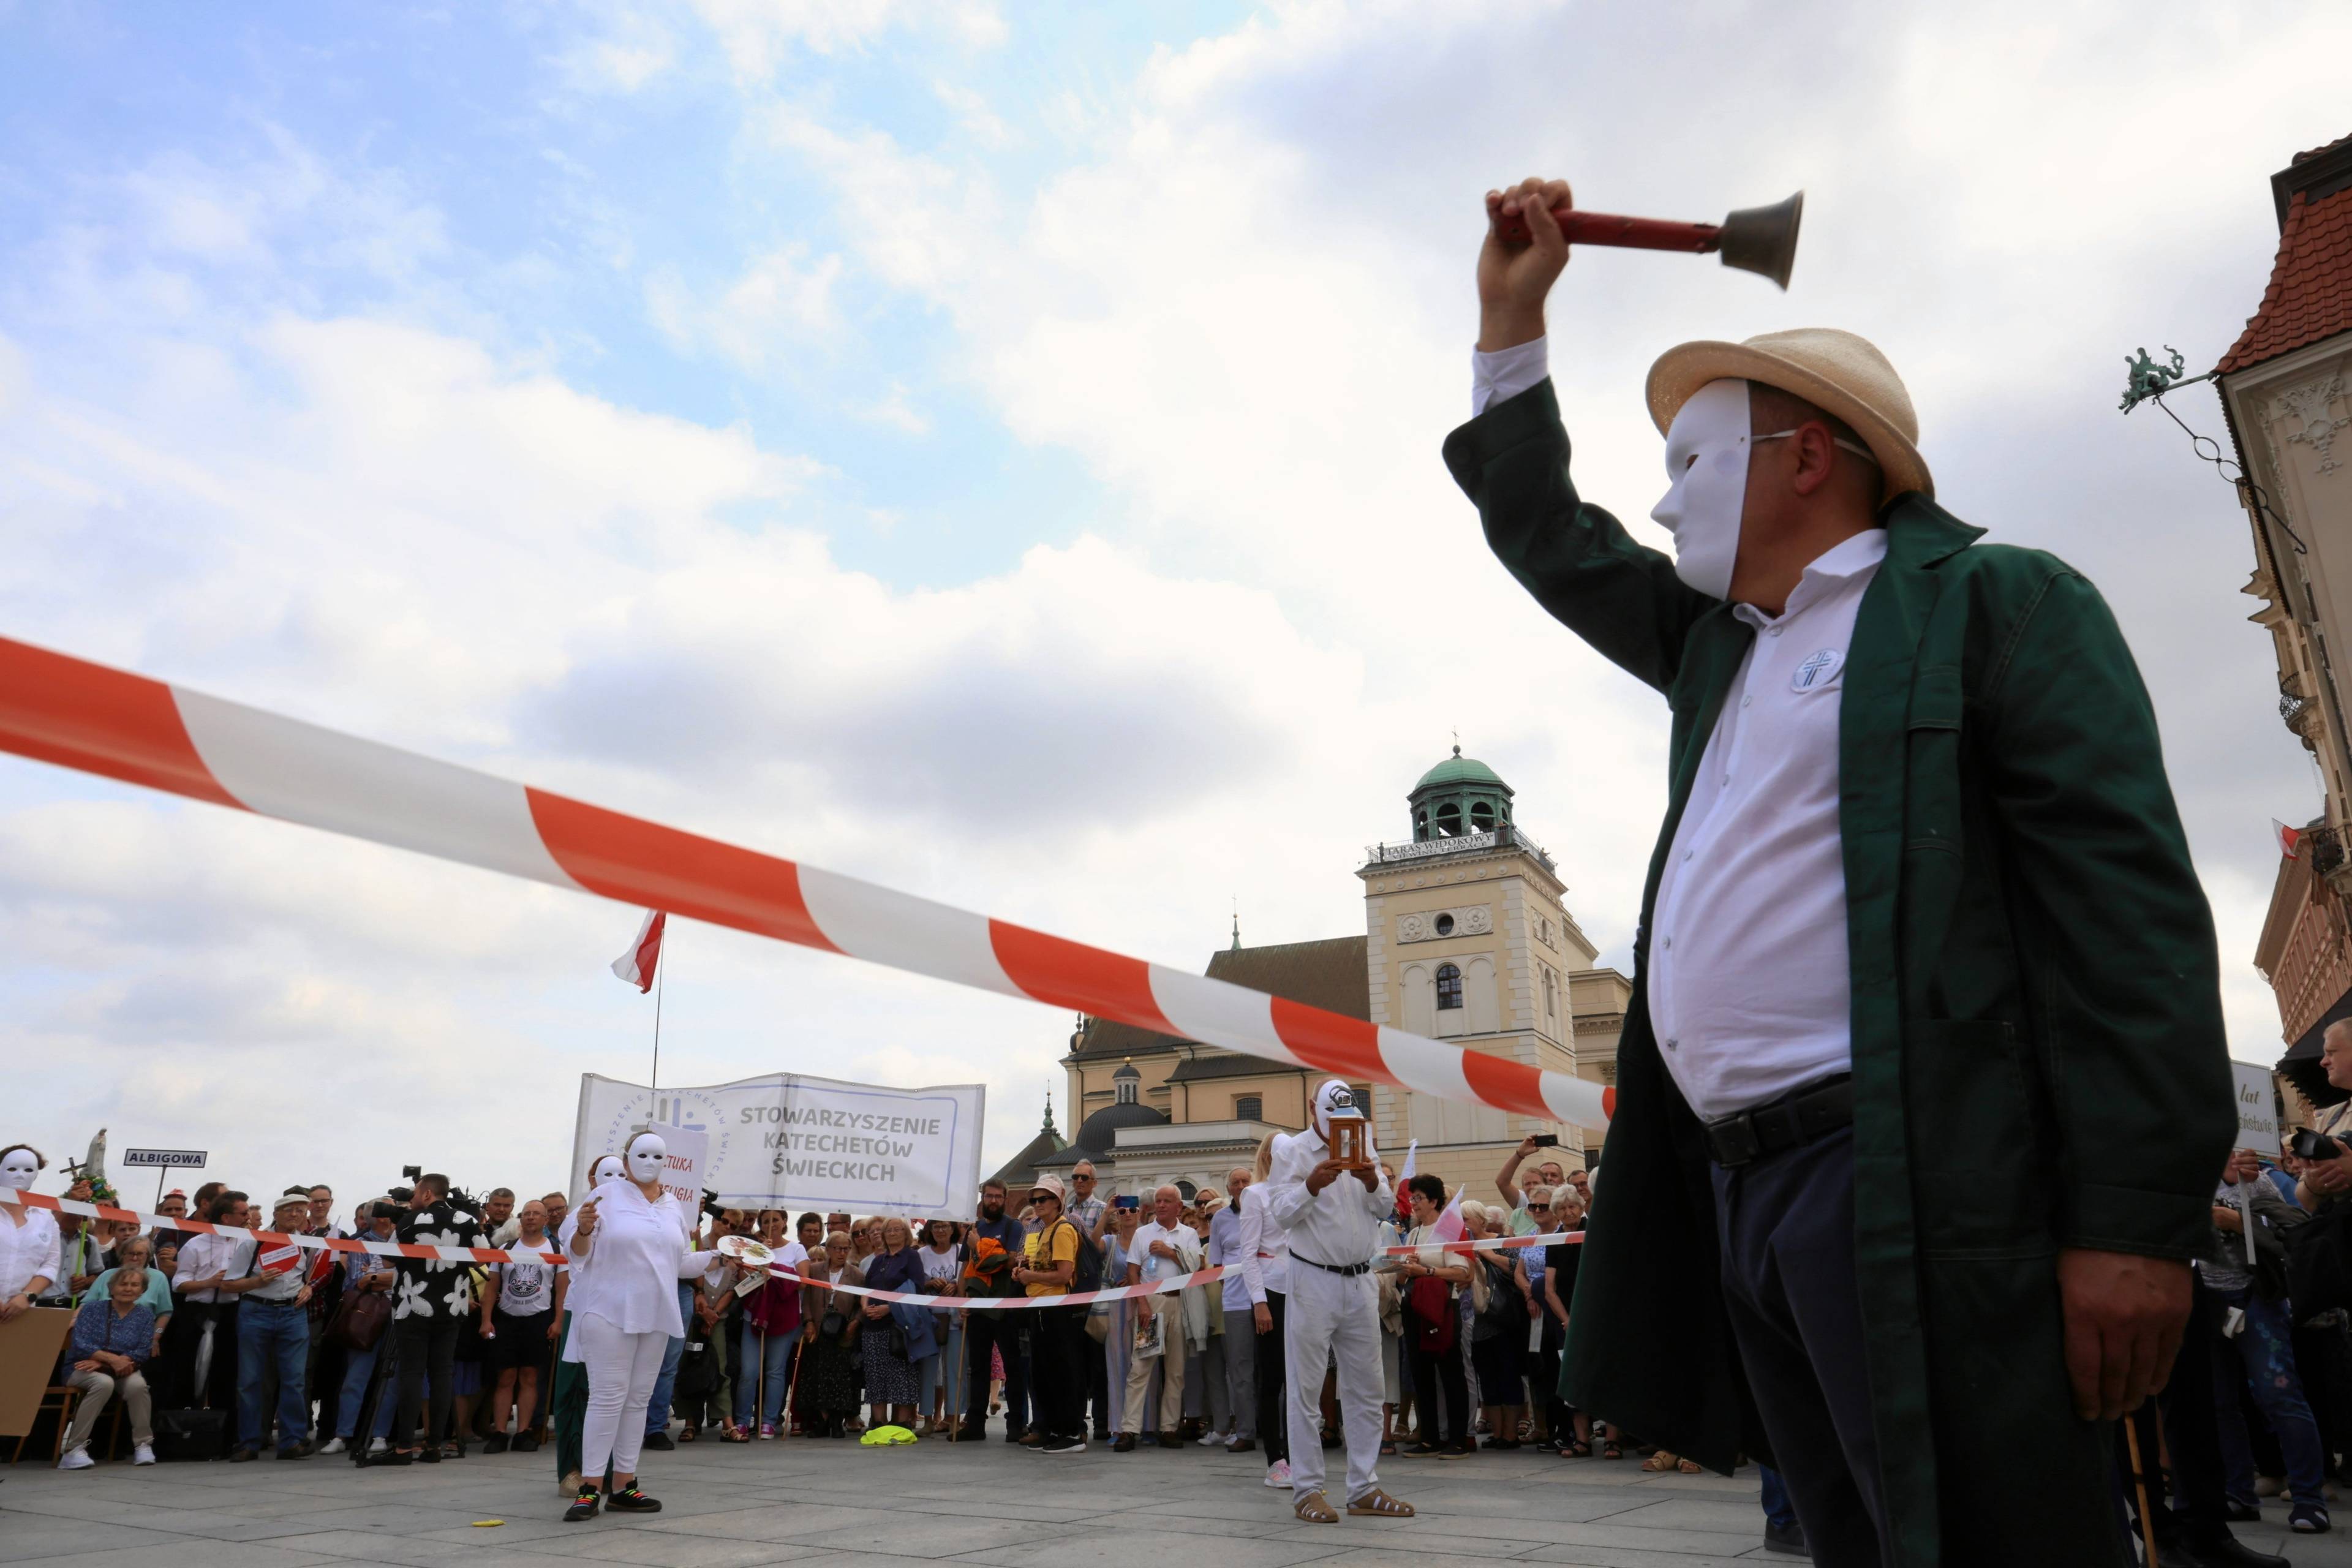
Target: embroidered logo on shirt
1815, 671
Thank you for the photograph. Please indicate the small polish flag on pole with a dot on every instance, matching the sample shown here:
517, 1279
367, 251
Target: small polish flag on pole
2290, 839
637, 966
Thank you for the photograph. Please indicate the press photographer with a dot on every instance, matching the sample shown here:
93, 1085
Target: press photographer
431, 1304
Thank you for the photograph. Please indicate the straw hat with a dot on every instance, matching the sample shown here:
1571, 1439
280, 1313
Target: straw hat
1836, 371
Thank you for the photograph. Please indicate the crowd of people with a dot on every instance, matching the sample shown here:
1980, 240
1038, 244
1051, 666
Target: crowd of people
408, 1361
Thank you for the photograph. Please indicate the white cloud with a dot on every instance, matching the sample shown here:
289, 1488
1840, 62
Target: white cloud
781, 303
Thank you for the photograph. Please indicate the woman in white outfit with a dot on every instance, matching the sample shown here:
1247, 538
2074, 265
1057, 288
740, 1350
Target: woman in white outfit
29, 1243
632, 1240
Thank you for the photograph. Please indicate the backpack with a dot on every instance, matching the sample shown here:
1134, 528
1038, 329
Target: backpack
1090, 1272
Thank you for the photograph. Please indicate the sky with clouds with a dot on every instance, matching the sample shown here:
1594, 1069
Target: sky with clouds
990, 450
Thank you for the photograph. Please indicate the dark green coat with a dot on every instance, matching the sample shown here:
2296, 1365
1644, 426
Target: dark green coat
2038, 1054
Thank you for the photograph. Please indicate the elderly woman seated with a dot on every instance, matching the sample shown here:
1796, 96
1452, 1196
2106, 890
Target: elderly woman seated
114, 1337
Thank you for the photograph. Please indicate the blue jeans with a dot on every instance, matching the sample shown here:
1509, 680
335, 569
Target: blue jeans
657, 1406
277, 1331
762, 1372
1778, 1512
935, 1369
356, 1369
2262, 1355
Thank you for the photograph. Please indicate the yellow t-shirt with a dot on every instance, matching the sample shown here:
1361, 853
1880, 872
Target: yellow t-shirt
1063, 1240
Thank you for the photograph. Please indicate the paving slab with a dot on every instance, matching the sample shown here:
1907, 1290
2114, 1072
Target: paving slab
747, 1506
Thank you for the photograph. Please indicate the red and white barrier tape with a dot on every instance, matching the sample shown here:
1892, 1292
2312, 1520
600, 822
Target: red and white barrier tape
1184, 1282
277, 1238
65, 710
497, 1255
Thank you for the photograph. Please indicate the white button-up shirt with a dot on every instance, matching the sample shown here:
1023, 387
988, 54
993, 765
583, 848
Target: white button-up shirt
1749, 983
635, 1259
1265, 1250
28, 1252
206, 1255
1340, 1225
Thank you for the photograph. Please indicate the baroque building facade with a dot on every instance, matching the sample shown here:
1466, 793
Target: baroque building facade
1467, 939
2286, 390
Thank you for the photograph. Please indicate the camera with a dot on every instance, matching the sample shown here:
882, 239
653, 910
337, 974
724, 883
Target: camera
710, 1204
2310, 1145
394, 1211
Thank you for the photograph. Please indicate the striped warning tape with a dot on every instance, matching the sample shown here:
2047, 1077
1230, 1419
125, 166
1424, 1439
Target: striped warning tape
497, 1255
65, 710
277, 1238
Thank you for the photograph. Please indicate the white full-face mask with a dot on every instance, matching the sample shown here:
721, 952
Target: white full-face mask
1706, 491
649, 1157
610, 1168
20, 1169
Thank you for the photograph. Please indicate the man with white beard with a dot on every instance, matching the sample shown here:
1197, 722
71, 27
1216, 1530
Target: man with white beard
1331, 1216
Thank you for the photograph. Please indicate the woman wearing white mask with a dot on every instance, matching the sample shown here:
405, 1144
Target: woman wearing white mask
631, 1239
567, 1399
29, 1243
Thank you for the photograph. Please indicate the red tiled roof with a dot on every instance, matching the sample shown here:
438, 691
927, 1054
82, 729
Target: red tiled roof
2310, 292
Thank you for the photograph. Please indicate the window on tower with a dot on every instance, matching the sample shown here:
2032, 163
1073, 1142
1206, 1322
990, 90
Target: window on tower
1551, 996
1482, 816
1449, 986
1445, 925
1449, 820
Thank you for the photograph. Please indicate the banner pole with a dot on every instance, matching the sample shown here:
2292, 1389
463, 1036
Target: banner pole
661, 972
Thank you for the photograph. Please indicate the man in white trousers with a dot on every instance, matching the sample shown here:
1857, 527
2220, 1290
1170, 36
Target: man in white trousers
1332, 1216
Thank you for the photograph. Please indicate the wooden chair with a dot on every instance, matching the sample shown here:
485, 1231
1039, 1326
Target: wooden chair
62, 1398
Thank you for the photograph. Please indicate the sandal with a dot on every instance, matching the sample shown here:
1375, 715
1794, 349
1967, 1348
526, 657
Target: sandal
1387, 1449
1313, 1509
1609, 1450
1689, 1467
1379, 1503
735, 1435
688, 1432
1659, 1463
1577, 1448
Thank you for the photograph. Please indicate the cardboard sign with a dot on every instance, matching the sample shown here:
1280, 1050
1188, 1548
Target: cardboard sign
2258, 1119
29, 1343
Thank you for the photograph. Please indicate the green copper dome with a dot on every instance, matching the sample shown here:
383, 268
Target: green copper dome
1460, 795
1459, 770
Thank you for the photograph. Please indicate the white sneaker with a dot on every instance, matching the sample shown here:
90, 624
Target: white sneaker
1214, 1440
144, 1454
379, 1446
1277, 1475
76, 1460
334, 1447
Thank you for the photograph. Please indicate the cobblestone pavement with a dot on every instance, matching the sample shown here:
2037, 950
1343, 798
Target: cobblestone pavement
802, 1500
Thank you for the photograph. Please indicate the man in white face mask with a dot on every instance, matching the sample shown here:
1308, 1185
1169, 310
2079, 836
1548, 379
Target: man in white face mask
1920, 911
1331, 1216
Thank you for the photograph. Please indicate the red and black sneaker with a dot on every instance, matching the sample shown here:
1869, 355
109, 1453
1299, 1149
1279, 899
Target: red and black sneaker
629, 1500
583, 1507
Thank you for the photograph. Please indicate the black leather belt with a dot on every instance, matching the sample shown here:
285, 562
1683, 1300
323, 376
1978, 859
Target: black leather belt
1332, 1268
1798, 1116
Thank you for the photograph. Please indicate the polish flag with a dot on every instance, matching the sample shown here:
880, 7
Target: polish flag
1449, 1226
636, 966
2290, 839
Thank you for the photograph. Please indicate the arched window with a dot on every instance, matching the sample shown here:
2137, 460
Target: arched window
1421, 824
1551, 996
1449, 986
1449, 820
1125, 1091
1482, 816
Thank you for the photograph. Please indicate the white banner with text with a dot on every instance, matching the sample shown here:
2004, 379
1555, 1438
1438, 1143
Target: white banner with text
789, 1140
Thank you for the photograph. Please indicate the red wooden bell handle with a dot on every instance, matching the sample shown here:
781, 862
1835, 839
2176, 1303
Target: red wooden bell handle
1582, 227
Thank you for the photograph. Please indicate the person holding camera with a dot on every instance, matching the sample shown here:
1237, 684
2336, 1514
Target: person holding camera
431, 1304
631, 1239
1921, 1095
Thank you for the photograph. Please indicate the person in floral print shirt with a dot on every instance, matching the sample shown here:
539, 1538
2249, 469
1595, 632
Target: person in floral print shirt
431, 1304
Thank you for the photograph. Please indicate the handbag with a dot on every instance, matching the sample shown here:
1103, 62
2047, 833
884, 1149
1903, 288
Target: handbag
359, 1319
192, 1434
2318, 1270
1430, 1303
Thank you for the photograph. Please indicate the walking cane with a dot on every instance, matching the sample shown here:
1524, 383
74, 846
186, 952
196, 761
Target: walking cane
2139, 1485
